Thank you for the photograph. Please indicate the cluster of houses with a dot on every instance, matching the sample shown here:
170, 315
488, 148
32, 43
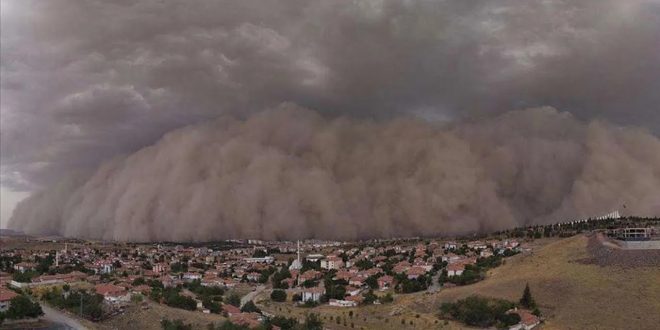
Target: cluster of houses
113, 268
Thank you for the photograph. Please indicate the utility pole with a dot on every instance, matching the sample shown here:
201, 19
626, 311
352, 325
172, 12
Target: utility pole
81, 304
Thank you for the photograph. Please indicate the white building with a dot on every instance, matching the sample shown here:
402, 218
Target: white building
263, 260
332, 262
455, 270
342, 303
314, 257
192, 276
451, 245
313, 294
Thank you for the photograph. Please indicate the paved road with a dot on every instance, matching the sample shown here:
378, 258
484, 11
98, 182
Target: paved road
62, 320
252, 294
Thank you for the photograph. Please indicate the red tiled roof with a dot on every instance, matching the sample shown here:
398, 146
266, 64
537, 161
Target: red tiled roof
416, 271
526, 317
231, 309
456, 267
6, 295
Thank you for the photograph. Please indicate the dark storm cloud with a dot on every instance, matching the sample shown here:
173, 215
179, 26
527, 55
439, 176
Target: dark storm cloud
85, 81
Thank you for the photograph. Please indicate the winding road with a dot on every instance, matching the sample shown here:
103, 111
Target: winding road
252, 294
62, 320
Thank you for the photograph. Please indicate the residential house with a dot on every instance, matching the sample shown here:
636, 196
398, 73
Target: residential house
5, 299
415, 272
332, 262
231, 310
528, 320
352, 290
189, 277
455, 269
385, 282
112, 293
313, 293
356, 281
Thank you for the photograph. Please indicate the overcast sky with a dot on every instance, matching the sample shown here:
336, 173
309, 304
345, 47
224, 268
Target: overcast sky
86, 80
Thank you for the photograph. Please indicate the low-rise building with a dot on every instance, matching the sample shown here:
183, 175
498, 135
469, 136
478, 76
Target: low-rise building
385, 282
112, 293
456, 269
342, 303
332, 262
313, 294
528, 320
5, 299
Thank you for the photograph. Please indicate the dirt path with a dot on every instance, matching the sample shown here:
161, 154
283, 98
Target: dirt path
60, 318
252, 295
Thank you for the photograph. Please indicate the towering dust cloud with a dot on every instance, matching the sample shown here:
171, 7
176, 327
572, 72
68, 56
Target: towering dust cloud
290, 173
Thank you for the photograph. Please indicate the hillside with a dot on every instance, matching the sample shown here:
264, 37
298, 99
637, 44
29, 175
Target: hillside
572, 294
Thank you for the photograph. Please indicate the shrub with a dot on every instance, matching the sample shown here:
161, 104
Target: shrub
250, 307
22, 307
174, 325
478, 311
278, 295
234, 299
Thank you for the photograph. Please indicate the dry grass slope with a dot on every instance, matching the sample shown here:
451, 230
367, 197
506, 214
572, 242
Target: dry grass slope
573, 295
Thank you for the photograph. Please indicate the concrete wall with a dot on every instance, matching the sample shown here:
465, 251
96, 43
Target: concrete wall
639, 245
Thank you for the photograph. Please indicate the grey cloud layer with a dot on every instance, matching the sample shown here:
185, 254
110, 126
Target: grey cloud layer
85, 80
289, 173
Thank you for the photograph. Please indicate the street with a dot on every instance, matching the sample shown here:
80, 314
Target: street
252, 294
62, 320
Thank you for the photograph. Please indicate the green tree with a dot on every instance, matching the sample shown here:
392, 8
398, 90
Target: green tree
282, 322
139, 281
250, 307
527, 300
313, 322
174, 325
372, 281
278, 295
21, 307
234, 299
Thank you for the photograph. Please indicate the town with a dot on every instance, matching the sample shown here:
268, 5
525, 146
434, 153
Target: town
260, 284
307, 273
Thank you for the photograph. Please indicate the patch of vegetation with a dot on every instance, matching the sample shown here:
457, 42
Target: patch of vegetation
234, 299
174, 325
278, 277
179, 267
278, 295
21, 307
283, 322
72, 301
172, 298
250, 307
406, 285
204, 291
25, 277
481, 312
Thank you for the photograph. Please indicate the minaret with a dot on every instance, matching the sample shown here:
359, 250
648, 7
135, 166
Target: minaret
299, 252
299, 263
